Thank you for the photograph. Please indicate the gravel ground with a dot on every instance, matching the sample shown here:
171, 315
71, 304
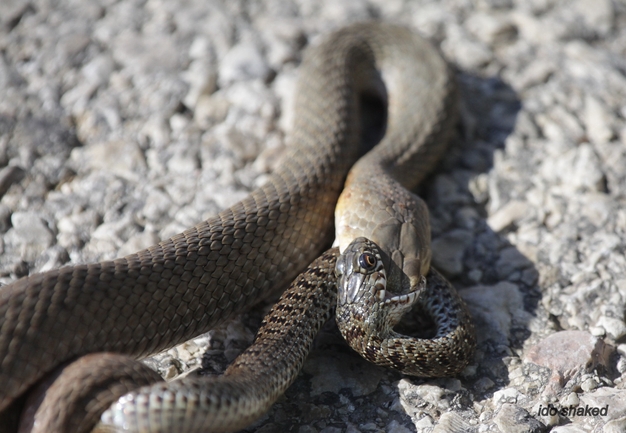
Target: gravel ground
124, 122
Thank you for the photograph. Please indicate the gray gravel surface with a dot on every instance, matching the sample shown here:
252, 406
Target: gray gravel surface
124, 122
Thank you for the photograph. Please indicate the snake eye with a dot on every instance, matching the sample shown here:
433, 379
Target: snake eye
367, 261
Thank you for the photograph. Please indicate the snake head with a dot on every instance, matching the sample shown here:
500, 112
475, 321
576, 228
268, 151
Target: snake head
371, 284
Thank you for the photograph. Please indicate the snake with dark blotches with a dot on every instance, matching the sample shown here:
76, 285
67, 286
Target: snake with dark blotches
60, 322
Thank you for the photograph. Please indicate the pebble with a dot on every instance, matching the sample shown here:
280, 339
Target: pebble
243, 62
515, 419
29, 234
491, 29
10, 175
120, 157
615, 328
468, 52
495, 309
583, 350
448, 251
138, 242
597, 120
600, 397
509, 214
451, 422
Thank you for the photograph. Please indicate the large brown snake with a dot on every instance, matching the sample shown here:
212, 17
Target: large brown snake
173, 291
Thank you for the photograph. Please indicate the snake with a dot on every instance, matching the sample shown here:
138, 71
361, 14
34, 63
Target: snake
63, 321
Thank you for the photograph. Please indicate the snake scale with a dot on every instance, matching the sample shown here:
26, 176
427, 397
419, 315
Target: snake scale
173, 291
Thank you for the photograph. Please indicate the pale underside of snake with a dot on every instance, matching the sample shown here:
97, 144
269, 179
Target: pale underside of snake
173, 291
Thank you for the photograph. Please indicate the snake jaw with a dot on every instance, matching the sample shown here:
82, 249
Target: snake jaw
403, 299
406, 299
396, 306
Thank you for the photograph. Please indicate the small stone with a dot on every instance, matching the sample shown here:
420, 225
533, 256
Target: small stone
437, 396
559, 125
510, 213
511, 260
598, 15
571, 400
495, 309
123, 158
536, 73
10, 175
483, 384
578, 169
143, 54
138, 242
615, 328
211, 109
468, 52
596, 207
597, 120
451, 422
183, 161
156, 130
5, 218
340, 12
448, 251
170, 373
567, 353
589, 384
614, 398
506, 395
615, 426
514, 419
243, 62
202, 78
475, 275
597, 331
424, 423
98, 70
491, 29
30, 234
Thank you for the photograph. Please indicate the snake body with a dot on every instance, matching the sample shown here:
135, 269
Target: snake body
173, 291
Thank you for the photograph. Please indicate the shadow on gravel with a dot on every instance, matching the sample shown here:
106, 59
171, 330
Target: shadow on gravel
471, 224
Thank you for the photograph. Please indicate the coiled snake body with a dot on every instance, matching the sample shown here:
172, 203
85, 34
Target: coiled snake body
173, 291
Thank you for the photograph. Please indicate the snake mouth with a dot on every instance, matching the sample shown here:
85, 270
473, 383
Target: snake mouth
404, 299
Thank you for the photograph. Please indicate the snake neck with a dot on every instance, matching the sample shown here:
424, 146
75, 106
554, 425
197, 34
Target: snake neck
396, 220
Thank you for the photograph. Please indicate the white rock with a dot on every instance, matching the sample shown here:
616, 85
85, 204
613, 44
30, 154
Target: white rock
597, 120
30, 234
465, 50
598, 15
490, 28
616, 328
243, 62
508, 214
